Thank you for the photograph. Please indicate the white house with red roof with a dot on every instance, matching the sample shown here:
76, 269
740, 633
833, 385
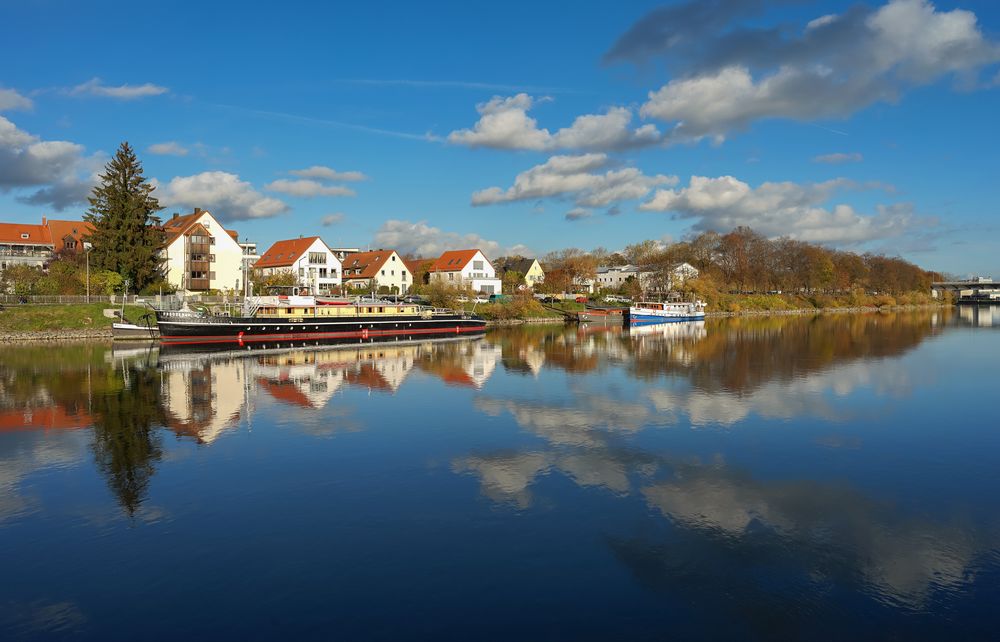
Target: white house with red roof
201, 254
315, 266
466, 268
377, 269
36, 245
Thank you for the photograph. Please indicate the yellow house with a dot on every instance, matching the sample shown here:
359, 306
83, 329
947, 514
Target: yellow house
530, 269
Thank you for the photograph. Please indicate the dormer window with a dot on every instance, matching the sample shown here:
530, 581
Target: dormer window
24, 235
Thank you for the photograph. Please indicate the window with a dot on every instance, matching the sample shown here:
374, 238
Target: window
392, 273
322, 273
477, 265
383, 272
451, 276
317, 257
393, 257
302, 271
211, 276
402, 275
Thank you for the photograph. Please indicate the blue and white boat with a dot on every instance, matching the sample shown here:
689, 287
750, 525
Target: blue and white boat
650, 312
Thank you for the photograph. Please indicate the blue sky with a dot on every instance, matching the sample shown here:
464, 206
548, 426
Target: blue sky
527, 127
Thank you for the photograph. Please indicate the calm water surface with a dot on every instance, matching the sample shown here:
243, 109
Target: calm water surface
825, 478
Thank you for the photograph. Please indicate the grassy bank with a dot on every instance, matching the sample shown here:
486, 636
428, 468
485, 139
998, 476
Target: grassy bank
724, 302
42, 318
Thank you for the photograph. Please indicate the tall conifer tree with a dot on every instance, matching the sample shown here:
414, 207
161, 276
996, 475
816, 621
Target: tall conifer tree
127, 236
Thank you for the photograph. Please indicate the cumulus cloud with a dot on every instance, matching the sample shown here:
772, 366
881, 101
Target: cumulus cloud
96, 87
577, 178
328, 174
838, 158
171, 148
504, 123
58, 168
332, 219
308, 189
728, 77
420, 239
10, 100
783, 209
222, 193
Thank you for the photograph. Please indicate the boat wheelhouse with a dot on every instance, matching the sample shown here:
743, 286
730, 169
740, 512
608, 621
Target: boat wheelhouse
650, 312
291, 318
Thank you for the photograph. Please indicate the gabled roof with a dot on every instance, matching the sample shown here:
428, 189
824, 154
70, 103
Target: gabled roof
177, 225
417, 265
454, 260
14, 233
521, 265
63, 230
285, 253
368, 262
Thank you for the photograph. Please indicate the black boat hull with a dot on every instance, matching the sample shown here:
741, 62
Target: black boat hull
185, 328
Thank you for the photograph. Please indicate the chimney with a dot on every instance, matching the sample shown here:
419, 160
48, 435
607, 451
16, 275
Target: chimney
176, 215
44, 221
198, 210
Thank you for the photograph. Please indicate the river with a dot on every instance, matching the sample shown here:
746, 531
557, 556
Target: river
823, 478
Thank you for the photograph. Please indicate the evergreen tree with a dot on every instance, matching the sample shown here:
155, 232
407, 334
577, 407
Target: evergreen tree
127, 236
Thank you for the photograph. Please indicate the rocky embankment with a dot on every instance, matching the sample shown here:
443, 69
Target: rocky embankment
55, 335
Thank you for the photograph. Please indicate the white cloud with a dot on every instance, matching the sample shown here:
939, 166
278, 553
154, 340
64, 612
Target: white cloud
170, 148
782, 209
839, 65
420, 239
308, 189
504, 124
10, 100
574, 177
57, 167
578, 213
331, 219
222, 193
325, 173
839, 157
95, 87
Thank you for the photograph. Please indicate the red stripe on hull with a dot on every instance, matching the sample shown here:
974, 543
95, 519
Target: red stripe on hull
360, 334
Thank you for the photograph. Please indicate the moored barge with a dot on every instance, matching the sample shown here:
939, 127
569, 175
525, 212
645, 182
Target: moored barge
292, 318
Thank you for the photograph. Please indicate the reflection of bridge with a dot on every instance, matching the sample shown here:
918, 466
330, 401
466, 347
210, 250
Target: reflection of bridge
967, 287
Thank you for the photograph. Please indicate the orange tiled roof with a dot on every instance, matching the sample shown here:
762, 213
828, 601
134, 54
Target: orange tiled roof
368, 262
48, 418
177, 225
454, 260
61, 230
416, 265
284, 253
233, 233
14, 233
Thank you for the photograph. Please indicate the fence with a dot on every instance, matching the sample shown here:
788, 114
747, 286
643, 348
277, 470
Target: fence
164, 302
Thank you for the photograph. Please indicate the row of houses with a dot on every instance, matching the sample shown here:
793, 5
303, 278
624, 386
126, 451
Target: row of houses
201, 254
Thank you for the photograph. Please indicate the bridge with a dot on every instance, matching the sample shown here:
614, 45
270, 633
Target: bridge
969, 286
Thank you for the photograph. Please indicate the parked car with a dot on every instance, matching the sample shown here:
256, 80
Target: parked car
614, 298
481, 298
581, 299
500, 298
416, 299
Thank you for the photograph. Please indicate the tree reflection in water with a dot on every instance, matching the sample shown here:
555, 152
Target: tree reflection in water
127, 442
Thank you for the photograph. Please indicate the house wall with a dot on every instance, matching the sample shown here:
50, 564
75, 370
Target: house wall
309, 273
535, 275
227, 267
479, 274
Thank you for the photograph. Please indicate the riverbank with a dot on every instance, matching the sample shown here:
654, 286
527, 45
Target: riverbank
15, 328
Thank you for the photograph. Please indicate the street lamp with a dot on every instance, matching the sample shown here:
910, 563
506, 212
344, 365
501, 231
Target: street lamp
86, 251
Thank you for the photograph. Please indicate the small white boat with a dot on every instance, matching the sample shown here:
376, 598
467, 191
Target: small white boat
121, 330
650, 312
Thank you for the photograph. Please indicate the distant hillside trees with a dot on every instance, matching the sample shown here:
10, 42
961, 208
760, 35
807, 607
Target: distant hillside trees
127, 236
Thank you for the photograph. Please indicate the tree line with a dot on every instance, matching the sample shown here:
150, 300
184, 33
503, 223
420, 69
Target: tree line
744, 261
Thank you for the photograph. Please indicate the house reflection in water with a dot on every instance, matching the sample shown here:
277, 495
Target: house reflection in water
204, 400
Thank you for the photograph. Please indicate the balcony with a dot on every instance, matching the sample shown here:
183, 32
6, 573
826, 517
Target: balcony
199, 248
199, 284
198, 266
